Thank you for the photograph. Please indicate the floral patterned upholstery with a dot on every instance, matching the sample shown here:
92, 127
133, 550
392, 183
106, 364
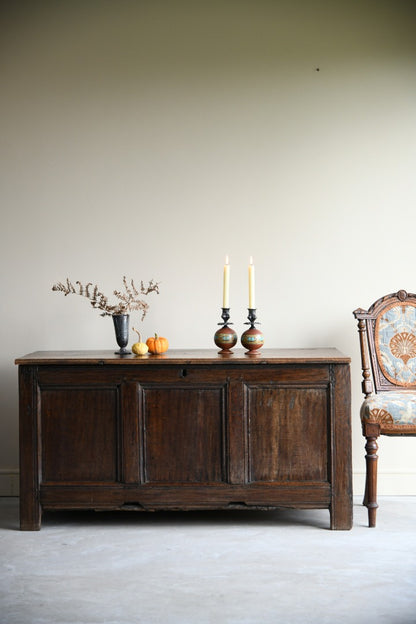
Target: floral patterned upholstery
395, 341
390, 408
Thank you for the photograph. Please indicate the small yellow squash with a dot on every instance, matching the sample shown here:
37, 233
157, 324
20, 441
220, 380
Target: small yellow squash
139, 348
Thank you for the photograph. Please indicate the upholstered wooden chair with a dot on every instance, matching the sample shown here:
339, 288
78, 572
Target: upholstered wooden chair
387, 333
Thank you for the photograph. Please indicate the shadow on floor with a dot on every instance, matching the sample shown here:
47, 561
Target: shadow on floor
315, 518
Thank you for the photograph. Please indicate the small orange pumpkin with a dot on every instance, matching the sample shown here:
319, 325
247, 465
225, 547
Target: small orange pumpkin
157, 345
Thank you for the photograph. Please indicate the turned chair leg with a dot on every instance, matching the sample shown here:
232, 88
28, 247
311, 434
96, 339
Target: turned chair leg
365, 499
370, 495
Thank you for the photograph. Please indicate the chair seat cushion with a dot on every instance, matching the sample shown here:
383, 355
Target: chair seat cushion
390, 408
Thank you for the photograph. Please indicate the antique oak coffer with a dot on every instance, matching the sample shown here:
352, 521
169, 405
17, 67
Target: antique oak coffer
185, 430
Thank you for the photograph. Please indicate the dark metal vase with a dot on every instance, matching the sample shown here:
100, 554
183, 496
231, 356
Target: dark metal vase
121, 327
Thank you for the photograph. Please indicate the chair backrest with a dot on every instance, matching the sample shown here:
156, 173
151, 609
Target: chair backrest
388, 343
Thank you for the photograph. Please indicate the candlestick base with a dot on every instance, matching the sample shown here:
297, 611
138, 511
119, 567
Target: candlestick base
225, 337
252, 339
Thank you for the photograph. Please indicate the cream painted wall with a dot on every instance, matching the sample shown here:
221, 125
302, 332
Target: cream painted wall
152, 138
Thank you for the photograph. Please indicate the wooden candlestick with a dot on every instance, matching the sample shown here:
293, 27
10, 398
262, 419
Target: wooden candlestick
252, 339
225, 337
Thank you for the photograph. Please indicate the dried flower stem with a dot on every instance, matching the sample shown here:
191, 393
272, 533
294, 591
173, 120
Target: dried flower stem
128, 301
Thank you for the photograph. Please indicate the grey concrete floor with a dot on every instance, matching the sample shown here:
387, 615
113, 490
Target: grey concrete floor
209, 567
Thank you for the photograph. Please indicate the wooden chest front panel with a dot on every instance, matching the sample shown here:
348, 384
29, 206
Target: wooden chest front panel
184, 434
288, 437
79, 428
